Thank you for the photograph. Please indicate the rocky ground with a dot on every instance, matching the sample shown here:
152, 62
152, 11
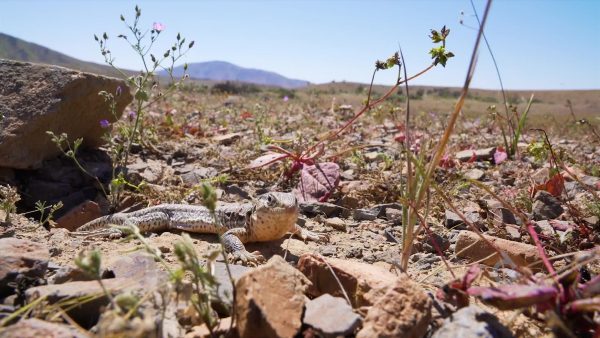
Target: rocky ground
353, 285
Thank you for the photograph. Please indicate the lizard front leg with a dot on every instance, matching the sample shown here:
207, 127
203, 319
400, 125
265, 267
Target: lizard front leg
234, 240
308, 235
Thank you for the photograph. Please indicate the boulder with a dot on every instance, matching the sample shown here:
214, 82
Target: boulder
471, 247
403, 311
38, 98
363, 283
270, 300
21, 257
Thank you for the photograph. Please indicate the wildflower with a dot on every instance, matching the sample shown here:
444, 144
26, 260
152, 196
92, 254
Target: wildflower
104, 124
131, 115
159, 27
286, 99
500, 155
118, 91
171, 112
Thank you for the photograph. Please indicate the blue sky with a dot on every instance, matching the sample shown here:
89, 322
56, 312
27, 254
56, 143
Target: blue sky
550, 44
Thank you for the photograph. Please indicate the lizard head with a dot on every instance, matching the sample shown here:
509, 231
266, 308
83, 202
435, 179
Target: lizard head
275, 214
277, 202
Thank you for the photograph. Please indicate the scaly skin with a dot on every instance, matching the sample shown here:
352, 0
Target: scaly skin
268, 218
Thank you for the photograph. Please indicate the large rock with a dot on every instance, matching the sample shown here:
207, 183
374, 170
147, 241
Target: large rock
363, 283
86, 313
36, 328
37, 98
403, 311
270, 300
473, 248
21, 257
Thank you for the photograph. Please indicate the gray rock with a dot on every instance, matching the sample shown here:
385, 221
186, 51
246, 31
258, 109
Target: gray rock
69, 274
451, 219
21, 258
331, 316
545, 228
475, 174
138, 266
480, 154
225, 286
328, 209
472, 321
502, 216
546, 206
328, 250
38, 98
366, 214
197, 175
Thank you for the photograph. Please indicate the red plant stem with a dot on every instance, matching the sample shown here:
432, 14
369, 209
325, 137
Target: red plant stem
540, 248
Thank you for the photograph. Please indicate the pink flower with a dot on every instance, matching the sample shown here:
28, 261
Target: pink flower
285, 99
159, 27
500, 155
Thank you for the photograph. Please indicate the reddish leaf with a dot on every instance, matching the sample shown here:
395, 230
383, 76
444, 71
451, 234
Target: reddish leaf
555, 185
317, 182
265, 160
510, 297
246, 115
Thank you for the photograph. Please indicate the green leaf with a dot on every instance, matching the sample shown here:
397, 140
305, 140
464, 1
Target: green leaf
141, 95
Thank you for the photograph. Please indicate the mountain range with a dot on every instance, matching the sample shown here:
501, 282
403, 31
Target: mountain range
225, 71
16, 49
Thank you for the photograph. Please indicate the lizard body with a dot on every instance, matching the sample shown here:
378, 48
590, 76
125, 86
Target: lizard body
268, 218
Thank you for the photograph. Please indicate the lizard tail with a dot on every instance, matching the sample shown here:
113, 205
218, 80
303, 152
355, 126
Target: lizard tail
103, 222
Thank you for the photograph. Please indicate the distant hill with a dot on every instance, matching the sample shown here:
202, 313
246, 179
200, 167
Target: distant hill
16, 49
225, 71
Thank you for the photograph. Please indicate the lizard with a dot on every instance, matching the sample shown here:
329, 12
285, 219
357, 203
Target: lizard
269, 217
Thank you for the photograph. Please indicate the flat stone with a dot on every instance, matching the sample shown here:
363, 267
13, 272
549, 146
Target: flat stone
85, 314
270, 300
403, 311
472, 321
227, 139
69, 274
364, 283
471, 247
36, 328
480, 154
366, 214
21, 257
336, 223
37, 98
78, 216
331, 316
545, 228
546, 206
502, 216
196, 176
327, 209
475, 174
